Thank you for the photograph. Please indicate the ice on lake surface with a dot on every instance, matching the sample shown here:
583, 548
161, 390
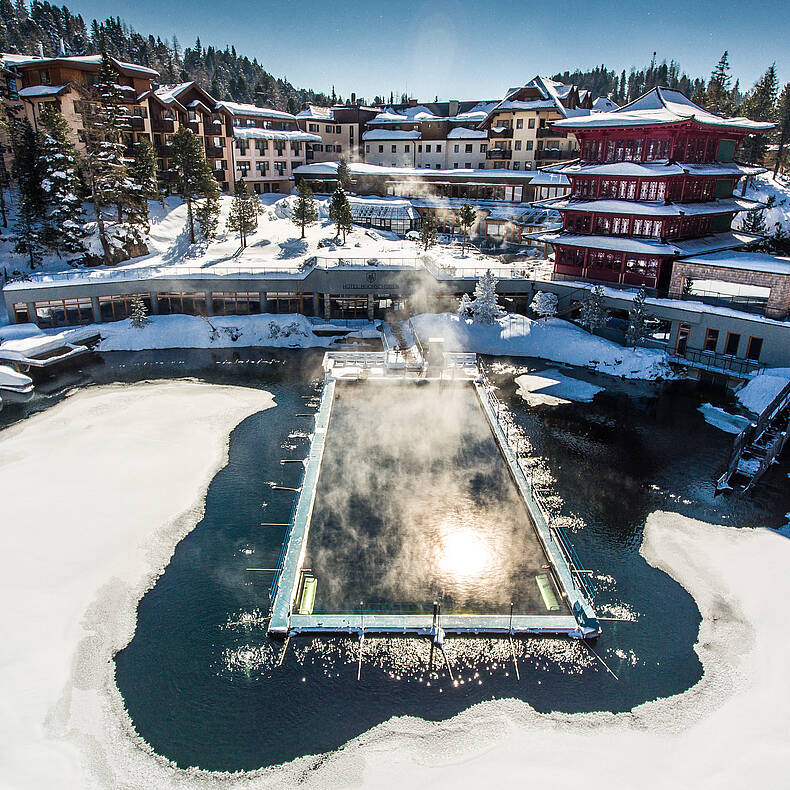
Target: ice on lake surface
415, 504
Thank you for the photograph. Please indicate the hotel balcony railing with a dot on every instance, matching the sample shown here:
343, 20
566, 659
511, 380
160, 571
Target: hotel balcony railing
167, 176
499, 153
501, 134
137, 123
219, 174
747, 304
163, 125
164, 150
214, 152
193, 126
554, 154
547, 131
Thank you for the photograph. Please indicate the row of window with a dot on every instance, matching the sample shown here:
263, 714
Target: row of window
606, 260
328, 128
691, 148
753, 348
668, 228
262, 168
262, 147
337, 149
676, 190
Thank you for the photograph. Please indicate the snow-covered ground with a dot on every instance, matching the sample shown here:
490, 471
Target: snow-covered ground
189, 331
553, 339
719, 418
764, 186
70, 595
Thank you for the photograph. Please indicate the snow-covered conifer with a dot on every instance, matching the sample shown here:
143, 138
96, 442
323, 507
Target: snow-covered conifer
637, 319
593, 312
484, 308
544, 304
139, 316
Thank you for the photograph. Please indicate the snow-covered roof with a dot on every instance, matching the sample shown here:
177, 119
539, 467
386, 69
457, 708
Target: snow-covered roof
315, 112
660, 106
602, 104
543, 178
251, 109
745, 261
656, 169
42, 90
382, 208
170, 93
390, 134
711, 243
79, 60
292, 135
655, 209
462, 133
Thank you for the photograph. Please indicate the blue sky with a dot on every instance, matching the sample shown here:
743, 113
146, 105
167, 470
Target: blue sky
466, 50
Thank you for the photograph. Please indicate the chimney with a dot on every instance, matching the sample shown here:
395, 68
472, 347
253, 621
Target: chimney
453, 107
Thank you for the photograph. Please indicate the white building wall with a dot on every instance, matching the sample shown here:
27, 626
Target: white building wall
391, 153
466, 153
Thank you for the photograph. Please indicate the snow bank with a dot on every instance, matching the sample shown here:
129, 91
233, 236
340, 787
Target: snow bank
762, 389
189, 331
555, 339
96, 493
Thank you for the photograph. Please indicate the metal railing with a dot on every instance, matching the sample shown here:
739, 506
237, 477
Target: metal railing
548, 131
746, 304
717, 363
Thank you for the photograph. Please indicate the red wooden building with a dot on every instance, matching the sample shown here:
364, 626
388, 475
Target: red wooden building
655, 183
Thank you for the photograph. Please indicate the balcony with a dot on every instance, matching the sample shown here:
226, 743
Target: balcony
555, 155
214, 152
499, 154
220, 174
137, 123
547, 131
167, 176
163, 125
165, 151
193, 126
501, 134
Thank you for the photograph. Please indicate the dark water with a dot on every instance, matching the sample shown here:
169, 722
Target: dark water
415, 505
200, 678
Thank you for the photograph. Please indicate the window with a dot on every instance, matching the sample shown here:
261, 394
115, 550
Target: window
754, 348
468, 148
381, 149
263, 168
43, 75
438, 148
312, 127
456, 148
338, 130
236, 302
419, 149
13, 90
483, 147
481, 165
530, 144
407, 148
731, 346
394, 149
367, 148
428, 148
711, 340
455, 165
531, 123
520, 123
516, 165
329, 129
243, 168
517, 145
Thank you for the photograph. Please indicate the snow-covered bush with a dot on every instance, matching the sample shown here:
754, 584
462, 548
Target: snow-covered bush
544, 304
465, 306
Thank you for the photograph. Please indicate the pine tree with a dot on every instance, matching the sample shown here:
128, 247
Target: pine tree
544, 304
105, 119
718, 98
305, 212
760, 105
344, 174
593, 312
428, 231
29, 232
782, 126
142, 170
340, 212
637, 319
484, 308
464, 306
466, 217
754, 222
244, 212
196, 183
139, 315
64, 219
